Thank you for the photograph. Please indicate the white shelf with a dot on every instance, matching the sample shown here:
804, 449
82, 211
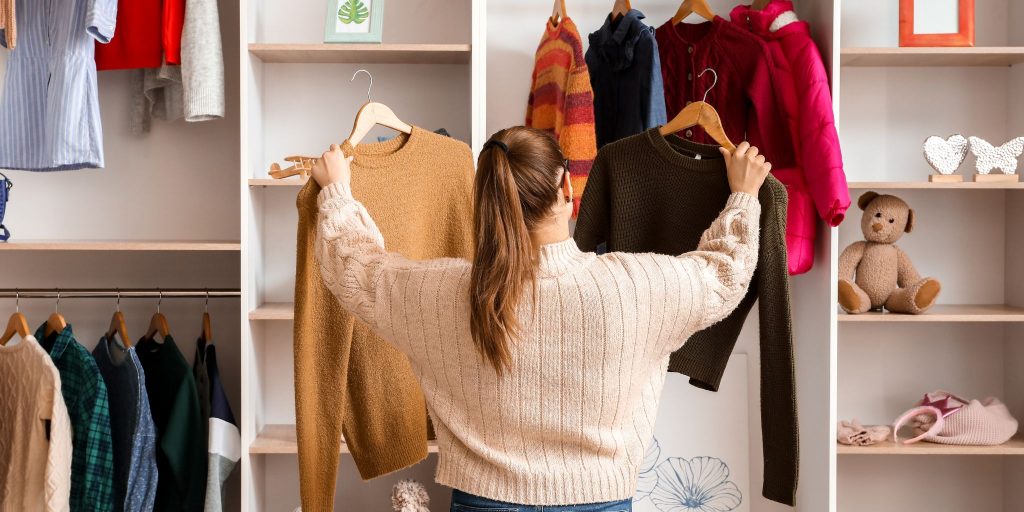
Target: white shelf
362, 53
273, 311
281, 440
925, 185
944, 313
271, 182
932, 57
1011, 447
120, 245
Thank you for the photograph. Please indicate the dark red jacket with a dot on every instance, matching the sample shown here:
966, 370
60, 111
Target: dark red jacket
817, 185
745, 95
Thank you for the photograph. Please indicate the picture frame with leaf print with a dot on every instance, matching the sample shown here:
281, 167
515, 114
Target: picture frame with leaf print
354, 21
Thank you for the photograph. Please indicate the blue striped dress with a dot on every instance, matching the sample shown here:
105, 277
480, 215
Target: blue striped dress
50, 114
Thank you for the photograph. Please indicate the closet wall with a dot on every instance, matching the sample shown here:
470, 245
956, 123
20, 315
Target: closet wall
970, 239
162, 214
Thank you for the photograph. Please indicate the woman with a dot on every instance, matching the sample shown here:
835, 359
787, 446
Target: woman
542, 365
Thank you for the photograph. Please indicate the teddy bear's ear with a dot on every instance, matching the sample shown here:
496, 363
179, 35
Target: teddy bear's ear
866, 198
910, 221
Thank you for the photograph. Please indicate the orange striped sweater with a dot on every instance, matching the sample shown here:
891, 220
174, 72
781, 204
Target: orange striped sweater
562, 102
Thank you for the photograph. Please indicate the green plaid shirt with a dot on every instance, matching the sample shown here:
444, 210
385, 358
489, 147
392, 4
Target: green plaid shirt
85, 394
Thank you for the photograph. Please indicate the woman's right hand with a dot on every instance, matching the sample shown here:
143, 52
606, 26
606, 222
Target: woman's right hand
747, 169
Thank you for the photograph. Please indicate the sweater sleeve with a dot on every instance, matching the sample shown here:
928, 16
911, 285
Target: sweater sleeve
577, 136
821, 155
58, 456
202, 62
719, 271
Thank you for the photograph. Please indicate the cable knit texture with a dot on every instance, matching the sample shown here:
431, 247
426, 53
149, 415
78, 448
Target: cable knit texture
419, 187
570, 422
650, 193
35, 472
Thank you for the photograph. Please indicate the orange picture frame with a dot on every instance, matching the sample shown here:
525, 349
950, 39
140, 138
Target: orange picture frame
965, 37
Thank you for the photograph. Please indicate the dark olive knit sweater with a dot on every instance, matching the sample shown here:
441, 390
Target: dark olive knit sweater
649, 193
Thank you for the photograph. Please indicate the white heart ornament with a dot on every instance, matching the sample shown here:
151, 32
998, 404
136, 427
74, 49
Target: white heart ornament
945, 155
1003, 158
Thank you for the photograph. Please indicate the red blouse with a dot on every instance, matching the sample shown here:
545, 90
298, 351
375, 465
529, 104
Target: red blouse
147, 32
745, 96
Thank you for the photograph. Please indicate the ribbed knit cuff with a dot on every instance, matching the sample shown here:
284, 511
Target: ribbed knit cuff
744, 201
336, 190
204, 106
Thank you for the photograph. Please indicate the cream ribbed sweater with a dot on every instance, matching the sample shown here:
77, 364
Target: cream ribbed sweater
570, 422
35, 471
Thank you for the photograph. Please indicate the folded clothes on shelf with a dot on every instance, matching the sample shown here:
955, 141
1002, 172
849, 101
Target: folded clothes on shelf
855, 434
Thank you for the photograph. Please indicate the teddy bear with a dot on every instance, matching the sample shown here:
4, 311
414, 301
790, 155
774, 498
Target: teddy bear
875, 273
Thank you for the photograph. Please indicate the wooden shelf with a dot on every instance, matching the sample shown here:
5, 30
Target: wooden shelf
1011, 447
119, 245
273, 311
280, 439
362, 53
946, 313
923, 57
271, 182
924, 185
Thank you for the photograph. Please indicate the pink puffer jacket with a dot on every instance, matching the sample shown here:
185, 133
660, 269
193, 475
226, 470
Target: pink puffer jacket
818, 182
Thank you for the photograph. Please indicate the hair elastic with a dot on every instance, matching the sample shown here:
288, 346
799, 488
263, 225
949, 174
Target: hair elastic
495, 143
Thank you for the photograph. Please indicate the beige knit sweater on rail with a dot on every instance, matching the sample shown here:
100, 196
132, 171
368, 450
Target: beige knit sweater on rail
570, 422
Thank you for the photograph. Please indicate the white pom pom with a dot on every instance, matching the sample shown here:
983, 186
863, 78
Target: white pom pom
410, 496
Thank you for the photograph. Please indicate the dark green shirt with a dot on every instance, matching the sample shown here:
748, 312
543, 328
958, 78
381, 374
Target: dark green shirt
181, 440
85, 394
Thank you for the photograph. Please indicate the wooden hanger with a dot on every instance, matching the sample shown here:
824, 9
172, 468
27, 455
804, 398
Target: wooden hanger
700, 7
558, 12
207, 334
118, 325
702, 114
620, 9
372, 114
55, 323
17, 324
158, 324
758, 5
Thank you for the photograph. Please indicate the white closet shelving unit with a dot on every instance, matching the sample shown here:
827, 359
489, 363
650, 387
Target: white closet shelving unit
968, 235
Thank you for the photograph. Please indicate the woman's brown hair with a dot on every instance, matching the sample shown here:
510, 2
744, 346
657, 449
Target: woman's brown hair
516, 187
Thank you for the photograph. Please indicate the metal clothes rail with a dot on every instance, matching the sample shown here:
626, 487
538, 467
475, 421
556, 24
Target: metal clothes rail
122, 293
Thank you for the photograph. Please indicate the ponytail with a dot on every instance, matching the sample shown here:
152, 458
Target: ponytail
516, 186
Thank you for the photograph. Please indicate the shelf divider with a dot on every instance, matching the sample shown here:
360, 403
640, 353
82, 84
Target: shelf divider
281, 440
273, 311
1012, 447
120, 245
977, 56
944, 313
925, 185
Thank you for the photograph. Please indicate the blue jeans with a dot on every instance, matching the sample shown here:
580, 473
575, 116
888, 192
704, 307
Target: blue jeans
465, 502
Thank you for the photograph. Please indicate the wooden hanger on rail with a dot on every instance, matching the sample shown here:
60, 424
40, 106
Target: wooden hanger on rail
620, 9
207, 334
372, 114
158, 324
17, 324
118, 325
702, 114
55, 323
558, 12
699, 7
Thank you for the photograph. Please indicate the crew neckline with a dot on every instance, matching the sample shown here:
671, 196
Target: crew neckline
711, 31
710, 159
390, 153
560, 257
553, 29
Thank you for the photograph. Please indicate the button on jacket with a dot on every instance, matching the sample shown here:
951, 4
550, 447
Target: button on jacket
745, 95
85, 395
625, 73
50, 113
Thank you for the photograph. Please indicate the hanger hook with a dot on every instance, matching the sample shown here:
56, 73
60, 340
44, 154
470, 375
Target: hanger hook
17, 301
713, 84
117, 307
368, 89
160, 300
206, 305
56, 307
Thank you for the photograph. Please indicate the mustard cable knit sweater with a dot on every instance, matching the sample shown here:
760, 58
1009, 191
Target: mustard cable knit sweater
570, 422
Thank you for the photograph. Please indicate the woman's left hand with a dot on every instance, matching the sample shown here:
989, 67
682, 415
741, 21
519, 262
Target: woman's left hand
332, 167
